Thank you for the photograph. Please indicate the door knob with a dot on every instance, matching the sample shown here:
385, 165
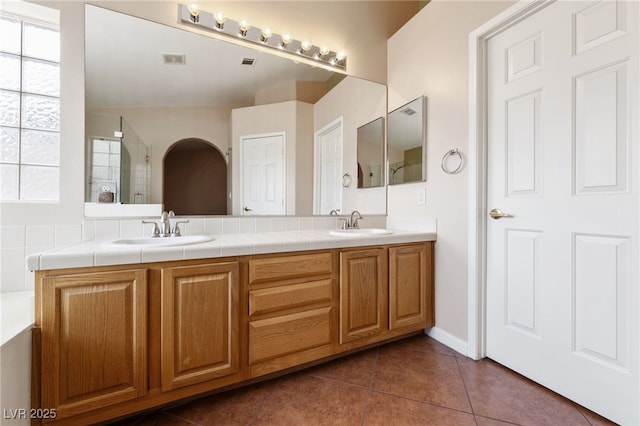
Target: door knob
247, 209
498, 214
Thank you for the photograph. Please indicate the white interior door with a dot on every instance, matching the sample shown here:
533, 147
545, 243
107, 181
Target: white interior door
263, 175
328, 163
562, 270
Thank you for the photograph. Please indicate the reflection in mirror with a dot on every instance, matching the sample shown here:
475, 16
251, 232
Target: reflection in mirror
175, 85
371, 154
406, 143
117, 162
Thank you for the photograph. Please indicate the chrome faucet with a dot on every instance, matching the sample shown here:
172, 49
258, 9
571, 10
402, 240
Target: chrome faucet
350, 221
165, 223
165, 229
353, 220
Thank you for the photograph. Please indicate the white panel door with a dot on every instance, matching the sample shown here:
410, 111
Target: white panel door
328, 163
562, 267
263, 175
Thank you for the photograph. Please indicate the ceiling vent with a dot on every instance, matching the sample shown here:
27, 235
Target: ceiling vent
173, 59
409, 111
248, 61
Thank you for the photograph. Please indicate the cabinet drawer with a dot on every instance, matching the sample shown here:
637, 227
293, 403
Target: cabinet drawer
286, 267
289, 296
278, 336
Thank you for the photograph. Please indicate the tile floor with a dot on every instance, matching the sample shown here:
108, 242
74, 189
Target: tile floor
415, 381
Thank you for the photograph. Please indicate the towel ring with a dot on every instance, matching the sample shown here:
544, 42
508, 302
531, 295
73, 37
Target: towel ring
449, 153
346, 180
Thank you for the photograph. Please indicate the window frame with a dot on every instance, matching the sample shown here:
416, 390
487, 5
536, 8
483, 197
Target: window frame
25, 19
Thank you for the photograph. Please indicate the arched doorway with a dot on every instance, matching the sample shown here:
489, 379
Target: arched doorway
194, 179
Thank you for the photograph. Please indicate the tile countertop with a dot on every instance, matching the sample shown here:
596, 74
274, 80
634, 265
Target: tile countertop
95, 253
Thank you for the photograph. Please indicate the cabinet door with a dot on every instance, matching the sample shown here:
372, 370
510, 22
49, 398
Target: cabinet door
93, 340
409, 294
199, 323
363, 293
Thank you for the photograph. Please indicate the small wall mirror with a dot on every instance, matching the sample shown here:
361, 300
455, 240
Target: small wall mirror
406, 143
371, 154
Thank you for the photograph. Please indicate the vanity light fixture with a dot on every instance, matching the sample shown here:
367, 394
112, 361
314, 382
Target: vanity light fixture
192, 15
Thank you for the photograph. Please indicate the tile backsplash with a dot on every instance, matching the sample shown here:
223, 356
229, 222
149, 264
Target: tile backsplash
17, 242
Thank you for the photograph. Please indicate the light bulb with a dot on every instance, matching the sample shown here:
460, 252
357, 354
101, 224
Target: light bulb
219, 18
341, 55
266, 33
324, 50
305, 45
285, 40
194, 12
244, 27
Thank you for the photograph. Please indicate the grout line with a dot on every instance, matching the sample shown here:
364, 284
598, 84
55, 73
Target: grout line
330, 379
164, 413
421, 401
366, 408
464, 383
371, 380
576, 406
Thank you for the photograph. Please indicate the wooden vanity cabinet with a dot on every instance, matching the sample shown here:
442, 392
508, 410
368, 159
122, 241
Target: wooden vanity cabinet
291, 313
93, 339
385, 293
199, 323
112, 341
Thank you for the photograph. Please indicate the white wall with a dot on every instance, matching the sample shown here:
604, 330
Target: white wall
428, 56
358, 102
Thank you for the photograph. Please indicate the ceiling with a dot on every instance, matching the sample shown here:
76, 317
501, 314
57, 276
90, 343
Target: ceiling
124, 66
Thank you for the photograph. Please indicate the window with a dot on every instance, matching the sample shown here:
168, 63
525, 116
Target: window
29, 110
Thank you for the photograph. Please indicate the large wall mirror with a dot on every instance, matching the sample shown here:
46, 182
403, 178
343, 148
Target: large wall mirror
173, 87
406, 143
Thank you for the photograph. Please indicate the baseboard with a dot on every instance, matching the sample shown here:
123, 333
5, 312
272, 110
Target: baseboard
447, 339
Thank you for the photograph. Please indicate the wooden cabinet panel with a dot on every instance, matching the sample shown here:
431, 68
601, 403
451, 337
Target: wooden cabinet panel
286, 334
199, 323
93, 340
408, 277
363, 293
287, 267
289, 296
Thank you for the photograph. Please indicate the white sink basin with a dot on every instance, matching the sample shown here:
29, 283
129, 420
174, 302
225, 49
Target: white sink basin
160, 241
359, 231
